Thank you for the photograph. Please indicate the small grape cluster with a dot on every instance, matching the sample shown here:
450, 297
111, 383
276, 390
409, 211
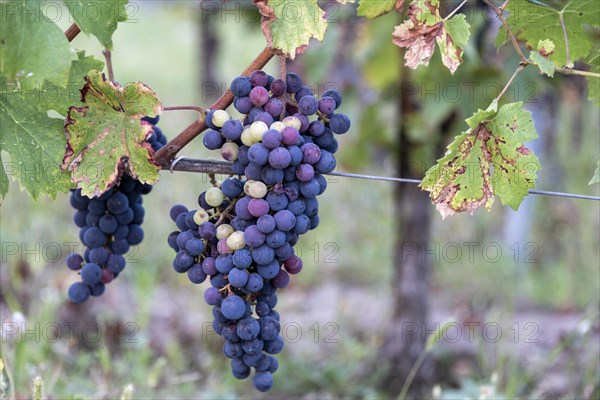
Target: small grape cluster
109, 225
246, 226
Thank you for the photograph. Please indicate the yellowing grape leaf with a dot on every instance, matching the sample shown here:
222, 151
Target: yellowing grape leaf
106, 138
424, 28
98, 18
487, 160
375, 8
288, 25
35, 143
531, 22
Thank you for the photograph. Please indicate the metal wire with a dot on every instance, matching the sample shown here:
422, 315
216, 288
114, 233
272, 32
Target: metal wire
224, 167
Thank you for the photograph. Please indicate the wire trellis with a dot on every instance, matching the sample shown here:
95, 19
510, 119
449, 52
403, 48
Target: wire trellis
183, 163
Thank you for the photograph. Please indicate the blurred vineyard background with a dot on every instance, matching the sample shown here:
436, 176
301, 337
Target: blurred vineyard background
522, 288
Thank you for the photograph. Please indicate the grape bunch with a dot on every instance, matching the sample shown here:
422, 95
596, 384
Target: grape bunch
109, 225
242, 235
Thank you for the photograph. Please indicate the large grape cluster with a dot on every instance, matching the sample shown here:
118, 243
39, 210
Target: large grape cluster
109, 225
243, 234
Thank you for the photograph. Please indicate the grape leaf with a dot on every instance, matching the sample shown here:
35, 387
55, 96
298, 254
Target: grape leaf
375, 8
288, 25
532, 22
60, 96
488, 159
3, 182
105, 137
35, 143
98, 18
593, 60
596, 177
424, 27
543, 63
32, 48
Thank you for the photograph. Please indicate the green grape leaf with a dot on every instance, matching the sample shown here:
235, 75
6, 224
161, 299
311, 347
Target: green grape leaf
60, 96
98, 18
424, 28
543, 63
345, 1
531, 22
106, 138
593, 60
375, 8
32, 48
3, 182
487, 160
288, 25
596, 177
35, 142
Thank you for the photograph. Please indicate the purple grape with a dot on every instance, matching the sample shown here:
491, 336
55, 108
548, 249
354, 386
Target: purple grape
335, 95
289, 135
259, 78
279, 158
326, 163
304, 121
274, 107
308, 105
242, 258
316, 128
339, 123
293, 82
232, 129
275, 239
278, 87
255, 283
310, 188
253, 237
302, 224
253, 172
238, 277
271, 139
258, 207
242, 104
212, 139
259, 96
241, 86
304, 91
209, 266
241, 208
270, 175
74, 261
233, 307
305, 172
327, 105
264, 117
258, 154
266, 223
212, 296
276, 201
311, 153
196, 274
285, 220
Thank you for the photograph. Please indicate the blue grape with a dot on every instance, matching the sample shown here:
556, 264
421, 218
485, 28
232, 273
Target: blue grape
304, 91
196, 274
339, 123
259, 78
284, 220
308, 105
293, 82
238, 277
79, 292
242, 258
241, 86
258, 154
327, 105
276, 201
255, 282
242, 104
263, 381
266, 223
248, 328
233, 307
232, 129
91, 273
279, 158
212, 296
212, 139
74, 261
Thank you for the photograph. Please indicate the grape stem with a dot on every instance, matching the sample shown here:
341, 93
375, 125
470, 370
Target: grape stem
109, 68
170, 150
178, 108
72, 32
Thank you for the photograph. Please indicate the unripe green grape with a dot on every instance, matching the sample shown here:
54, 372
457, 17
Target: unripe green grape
214, 196
235, 241
278, 126
201, 216
224, 230
255, 189
257, 129
247, 137
229, 151
292, 121
219, 117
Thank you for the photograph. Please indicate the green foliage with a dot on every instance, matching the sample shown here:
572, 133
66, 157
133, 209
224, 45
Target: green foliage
487, 160
535, 21
102, 23
106, 138
28, 42
288, 25
424, 28
375, 8
593, 60
35, 143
